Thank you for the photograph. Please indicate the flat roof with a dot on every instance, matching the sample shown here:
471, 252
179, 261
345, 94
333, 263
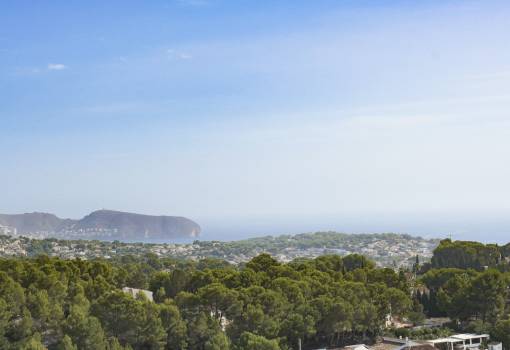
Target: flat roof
445, 340
355, 346
467, 336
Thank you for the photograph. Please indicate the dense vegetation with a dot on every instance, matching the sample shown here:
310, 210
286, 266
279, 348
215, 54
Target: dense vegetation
469, 282
469, 255
385, 249
75, 304
57, 304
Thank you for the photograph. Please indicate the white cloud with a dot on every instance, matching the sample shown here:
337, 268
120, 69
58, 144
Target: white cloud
179, 55
56, 66
185, 56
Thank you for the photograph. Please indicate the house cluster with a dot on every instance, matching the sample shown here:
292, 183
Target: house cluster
12, 247
454, 342
8, 231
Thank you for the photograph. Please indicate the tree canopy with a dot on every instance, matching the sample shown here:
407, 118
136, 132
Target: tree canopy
50, 303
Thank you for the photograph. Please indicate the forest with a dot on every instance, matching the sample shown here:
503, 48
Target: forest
75, 304
469, 283
58, 304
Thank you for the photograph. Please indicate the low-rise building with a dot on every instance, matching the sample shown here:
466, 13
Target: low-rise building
455, 342
134, 292
460, 342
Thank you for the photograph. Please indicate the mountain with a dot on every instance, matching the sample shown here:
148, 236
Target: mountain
129, 226
101, 224
34, 222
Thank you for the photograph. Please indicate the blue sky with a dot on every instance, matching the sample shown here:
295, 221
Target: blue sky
260, 116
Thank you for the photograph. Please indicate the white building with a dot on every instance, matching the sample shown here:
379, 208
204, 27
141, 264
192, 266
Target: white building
134, 292
460, 341
357, 347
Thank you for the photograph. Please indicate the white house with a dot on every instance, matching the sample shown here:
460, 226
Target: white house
460, 341
134, 292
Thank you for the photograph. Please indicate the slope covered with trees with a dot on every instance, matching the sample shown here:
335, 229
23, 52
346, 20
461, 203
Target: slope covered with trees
73, 304
51, 303
468, 282
467, 255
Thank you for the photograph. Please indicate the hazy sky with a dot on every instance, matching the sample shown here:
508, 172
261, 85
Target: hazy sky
352, 115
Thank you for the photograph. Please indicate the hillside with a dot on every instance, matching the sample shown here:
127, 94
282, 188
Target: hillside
101, 224
33, 222
384, 249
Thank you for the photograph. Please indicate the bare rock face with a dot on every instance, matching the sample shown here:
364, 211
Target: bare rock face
103, 224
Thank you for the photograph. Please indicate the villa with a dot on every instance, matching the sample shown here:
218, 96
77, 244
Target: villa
460, 342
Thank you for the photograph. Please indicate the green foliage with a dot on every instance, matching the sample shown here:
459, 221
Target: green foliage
502, 332
132, 321
466, 255
219, 341
217, 252
66, 344
251, 341
469, 282
421, 334
209, 305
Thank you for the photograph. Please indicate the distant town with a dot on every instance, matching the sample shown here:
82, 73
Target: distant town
390, 250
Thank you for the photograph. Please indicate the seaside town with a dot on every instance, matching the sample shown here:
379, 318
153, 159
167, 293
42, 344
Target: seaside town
392, 250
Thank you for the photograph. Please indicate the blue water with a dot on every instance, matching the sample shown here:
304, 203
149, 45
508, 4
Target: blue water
494, 229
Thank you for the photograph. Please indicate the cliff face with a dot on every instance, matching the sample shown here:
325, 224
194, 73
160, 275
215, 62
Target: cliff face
104, 224
131, 226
